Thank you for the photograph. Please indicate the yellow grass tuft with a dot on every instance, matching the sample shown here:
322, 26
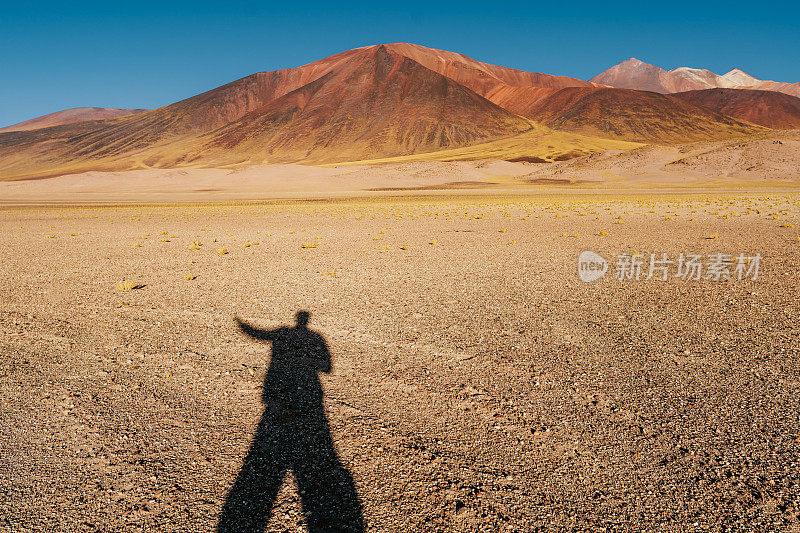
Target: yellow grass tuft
712, 236
222, 251
126, 285
309, 245
190, 277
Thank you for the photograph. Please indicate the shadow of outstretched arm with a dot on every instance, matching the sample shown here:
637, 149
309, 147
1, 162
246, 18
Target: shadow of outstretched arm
250, 331
306, 347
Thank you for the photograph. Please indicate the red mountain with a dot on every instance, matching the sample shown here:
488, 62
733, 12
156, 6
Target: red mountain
482, 78
70, 116
365, 103
385, 104
374, 102
625, 114
767, 108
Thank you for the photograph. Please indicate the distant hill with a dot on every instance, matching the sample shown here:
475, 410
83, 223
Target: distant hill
630, 115
635, 74
767, 108
70, 116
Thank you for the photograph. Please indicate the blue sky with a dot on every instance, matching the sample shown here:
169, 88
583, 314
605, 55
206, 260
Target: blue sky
57, 55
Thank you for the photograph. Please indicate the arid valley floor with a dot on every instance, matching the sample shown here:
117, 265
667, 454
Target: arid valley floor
477, 383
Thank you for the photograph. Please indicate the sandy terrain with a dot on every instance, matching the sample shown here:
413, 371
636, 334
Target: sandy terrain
477, 384
256, 182
765, 163
739, 164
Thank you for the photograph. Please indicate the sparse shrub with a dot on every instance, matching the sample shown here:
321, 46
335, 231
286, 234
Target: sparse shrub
126, 285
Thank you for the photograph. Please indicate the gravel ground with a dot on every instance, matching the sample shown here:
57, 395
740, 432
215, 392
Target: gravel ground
477, 384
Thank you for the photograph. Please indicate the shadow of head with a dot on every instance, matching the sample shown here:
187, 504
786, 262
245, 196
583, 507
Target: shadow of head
302, 318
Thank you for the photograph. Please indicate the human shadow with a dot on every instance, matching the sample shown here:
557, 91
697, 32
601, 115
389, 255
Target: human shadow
293, 435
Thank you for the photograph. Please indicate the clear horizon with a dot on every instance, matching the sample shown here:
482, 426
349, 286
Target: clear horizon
93, 54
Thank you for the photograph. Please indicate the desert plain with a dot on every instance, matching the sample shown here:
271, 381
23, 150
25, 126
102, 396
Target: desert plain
477, 383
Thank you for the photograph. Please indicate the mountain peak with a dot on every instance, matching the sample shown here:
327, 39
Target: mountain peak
632, 74
692, 70
738, 71
741, 78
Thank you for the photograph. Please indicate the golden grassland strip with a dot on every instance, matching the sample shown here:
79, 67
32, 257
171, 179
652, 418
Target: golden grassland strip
549, 198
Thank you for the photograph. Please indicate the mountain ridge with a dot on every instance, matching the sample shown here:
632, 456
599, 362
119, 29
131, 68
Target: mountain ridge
70, 116
766, 108
636, 74
374, 103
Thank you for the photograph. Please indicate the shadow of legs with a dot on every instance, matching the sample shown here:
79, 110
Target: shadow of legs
248, 506
327, 490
